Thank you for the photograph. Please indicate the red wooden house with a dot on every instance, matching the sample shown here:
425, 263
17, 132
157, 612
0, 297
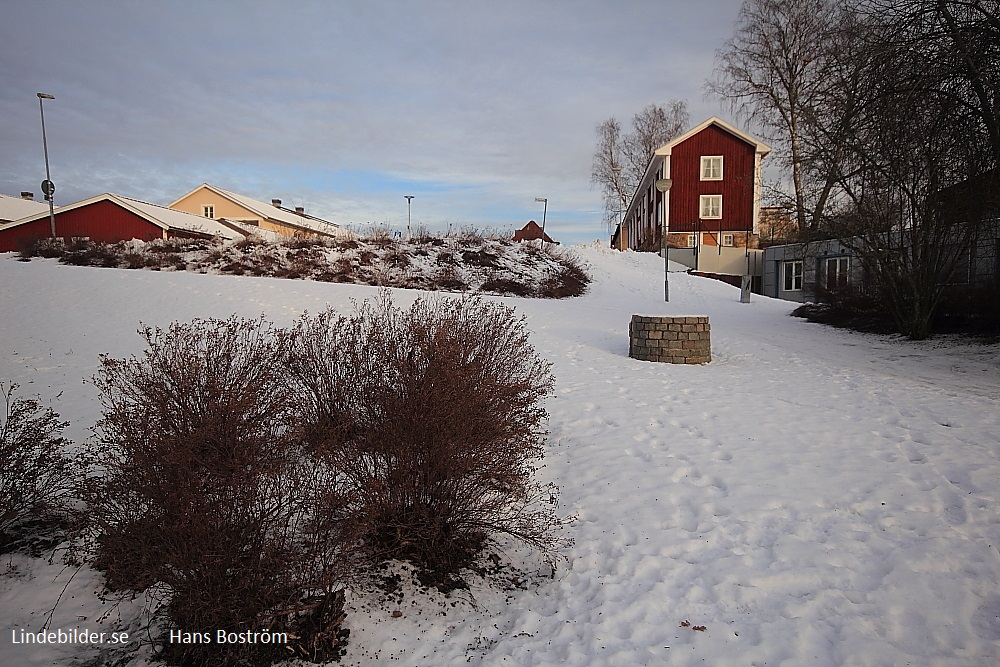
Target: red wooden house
714, 195
111, 218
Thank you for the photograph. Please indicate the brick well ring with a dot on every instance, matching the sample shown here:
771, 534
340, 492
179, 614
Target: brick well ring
685, 339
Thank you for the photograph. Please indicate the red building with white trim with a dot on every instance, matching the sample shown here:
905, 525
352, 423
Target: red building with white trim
714, 195
111, 218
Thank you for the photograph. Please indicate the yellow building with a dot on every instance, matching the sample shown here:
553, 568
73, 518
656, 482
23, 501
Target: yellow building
211, 202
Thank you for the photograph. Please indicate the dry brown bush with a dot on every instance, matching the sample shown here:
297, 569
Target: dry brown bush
432, 418
48, 248
448, 278
499, 284
570, 280
207, 497
37, 478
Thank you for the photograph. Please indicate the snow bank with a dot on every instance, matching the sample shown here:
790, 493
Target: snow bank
811, 497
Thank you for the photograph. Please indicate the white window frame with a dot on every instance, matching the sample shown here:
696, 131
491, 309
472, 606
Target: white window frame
692, 240
841, 275
728, 240
791, 275
208, 211
711, 167
710, 207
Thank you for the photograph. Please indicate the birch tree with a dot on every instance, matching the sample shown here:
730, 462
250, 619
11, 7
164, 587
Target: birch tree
621, 158
776, 71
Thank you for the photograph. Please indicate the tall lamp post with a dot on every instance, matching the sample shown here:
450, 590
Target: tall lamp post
663, 186
48, 187
409, 198
545, 209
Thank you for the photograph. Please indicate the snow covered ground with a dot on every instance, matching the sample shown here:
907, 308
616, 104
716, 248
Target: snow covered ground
812, 497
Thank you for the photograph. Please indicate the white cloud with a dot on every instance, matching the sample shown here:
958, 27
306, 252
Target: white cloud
498, 99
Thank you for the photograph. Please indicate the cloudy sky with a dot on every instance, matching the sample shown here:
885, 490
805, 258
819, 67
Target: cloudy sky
475, 107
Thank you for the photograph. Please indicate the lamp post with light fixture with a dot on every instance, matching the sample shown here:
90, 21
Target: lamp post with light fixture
545, 209
48, 187
663, 186
409, 198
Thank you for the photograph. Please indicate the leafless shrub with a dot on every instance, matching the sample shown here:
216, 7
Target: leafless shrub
396, 259
421, 235
482, 258
570, 280
432, 418
173, 246
446, 257
448, 278
344, 244
470, 234
250, 243
304, 241
236, 268
379, 236
970, 309
81, 252
213, 256
498, 284
37, 478
48, 248
207, 497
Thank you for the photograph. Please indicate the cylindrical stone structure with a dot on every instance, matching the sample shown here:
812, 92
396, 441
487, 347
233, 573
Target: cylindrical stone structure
683, 339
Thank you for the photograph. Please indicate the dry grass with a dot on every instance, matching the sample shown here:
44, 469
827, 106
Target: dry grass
471, 261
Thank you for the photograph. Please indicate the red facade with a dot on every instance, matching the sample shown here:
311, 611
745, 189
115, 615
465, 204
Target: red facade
531, 232
101, 221
730, 190
736, 186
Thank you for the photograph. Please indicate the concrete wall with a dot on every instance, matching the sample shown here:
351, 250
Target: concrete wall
719, 259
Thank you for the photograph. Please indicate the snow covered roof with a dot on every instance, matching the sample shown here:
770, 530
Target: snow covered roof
247, 229
161, 216
274, 213
15, 208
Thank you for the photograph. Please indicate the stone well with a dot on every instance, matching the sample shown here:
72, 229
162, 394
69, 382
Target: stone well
684, 339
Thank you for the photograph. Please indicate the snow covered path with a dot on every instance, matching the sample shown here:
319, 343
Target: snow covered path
811, 497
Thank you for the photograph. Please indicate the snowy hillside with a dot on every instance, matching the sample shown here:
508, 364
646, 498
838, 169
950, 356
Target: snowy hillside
811, 497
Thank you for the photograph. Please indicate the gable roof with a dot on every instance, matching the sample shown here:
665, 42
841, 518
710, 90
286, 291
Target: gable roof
531, 232
272, 212
15, 208
164, 218
664, 151
759, 146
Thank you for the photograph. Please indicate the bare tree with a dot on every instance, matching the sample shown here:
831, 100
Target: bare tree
621, 158
608, 170
776, 71
915, 180
958, 42
652, 127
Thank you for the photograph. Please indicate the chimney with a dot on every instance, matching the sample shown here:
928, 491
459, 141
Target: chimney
300, 210
30, 196
276, 203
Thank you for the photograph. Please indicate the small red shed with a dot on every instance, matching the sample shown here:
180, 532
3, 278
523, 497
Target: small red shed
532, 232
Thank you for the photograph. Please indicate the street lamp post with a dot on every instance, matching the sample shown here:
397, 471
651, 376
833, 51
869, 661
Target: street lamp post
663, 185
545, 209
409, 198
48, 187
